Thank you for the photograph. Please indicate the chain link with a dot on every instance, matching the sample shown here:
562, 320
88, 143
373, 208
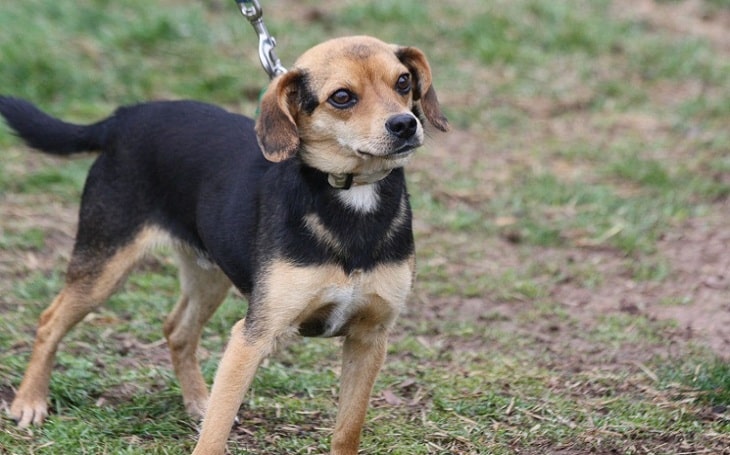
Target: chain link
251, 9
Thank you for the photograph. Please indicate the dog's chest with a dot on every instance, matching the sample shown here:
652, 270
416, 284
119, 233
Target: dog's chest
339, 303
326, 301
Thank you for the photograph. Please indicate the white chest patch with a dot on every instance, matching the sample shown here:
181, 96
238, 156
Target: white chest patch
361, 198
346, 301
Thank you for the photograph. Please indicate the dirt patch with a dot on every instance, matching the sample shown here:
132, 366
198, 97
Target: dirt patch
690, 17
695, 294
693, 291
699, 288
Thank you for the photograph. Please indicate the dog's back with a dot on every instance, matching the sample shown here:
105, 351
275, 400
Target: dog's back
154, 127
163, 164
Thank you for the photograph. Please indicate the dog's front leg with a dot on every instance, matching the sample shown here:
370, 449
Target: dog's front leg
236, 371
362, 358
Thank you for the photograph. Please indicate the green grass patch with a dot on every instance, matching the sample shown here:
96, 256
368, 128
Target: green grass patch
121, 52
64, 181
554, 212
584, 139
707, 378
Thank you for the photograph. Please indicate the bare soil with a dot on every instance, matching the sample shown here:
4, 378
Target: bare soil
694, 298
696, 294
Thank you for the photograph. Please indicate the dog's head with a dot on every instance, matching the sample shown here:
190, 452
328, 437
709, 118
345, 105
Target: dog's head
350, 105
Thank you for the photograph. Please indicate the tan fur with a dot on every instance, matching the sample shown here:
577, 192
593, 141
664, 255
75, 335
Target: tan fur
354, 140
320, 232
277, 131
86, 288
399, 219
81, 294
203, 290
361, 363
291, 295
234, 376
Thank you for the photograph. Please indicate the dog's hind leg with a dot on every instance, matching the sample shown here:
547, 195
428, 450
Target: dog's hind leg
93, 274
203, 289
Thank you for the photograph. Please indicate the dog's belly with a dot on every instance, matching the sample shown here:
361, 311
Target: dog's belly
328, 302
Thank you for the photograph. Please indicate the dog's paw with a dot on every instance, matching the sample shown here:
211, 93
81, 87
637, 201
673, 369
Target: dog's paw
196, 408
26, 412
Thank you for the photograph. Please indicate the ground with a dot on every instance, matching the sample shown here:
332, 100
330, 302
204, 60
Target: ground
573, 288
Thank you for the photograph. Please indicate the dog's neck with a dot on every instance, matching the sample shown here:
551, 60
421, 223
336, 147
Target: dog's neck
346, 181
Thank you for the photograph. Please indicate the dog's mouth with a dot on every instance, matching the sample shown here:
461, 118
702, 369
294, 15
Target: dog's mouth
402, 151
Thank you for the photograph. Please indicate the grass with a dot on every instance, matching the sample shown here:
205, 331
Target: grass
589, 145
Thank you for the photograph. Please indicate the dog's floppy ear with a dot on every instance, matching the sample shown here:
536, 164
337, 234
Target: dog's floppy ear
417, 64
276, 128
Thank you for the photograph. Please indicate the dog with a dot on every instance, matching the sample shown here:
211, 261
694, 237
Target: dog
305, 211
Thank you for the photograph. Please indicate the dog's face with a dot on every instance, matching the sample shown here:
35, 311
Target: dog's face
350, 105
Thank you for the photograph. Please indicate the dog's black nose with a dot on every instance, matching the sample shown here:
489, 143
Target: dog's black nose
402, 126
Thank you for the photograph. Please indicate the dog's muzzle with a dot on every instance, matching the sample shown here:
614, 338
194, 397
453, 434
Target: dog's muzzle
402, 126
403, 129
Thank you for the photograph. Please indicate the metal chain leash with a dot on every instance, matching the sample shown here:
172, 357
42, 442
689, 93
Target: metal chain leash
251, 9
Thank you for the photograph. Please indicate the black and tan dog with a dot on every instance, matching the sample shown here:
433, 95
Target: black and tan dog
315, 231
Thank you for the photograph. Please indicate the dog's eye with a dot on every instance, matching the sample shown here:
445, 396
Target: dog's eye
342, 99
403, 84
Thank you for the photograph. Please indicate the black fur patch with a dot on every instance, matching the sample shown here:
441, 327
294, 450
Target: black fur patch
306, 98
365, 240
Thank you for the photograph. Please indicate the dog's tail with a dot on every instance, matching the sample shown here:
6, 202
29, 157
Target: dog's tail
49, 134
